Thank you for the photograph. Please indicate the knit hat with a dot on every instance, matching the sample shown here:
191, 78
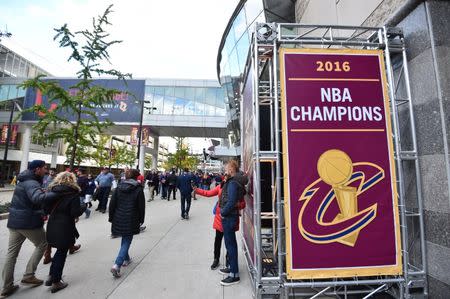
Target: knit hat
35, 164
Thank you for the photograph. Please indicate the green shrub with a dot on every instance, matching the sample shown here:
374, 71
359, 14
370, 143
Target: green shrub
4, 207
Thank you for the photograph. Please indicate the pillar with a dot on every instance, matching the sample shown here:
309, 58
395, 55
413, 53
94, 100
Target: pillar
142, 159
26, 141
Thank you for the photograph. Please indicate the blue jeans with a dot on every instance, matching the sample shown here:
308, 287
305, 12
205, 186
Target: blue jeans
123, 252
229, 234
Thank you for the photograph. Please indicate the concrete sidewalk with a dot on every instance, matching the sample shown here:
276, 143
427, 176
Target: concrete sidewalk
171, 259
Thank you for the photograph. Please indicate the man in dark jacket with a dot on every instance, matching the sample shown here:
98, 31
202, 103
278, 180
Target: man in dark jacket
184, 183
26, 222
172, 185
127, 214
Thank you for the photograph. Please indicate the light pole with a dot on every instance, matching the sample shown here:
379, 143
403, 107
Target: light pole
141, 164
8, 138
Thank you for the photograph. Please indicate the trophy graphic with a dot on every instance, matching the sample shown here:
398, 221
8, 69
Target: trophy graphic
335, 168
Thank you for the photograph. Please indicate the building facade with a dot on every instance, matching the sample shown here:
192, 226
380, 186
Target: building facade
425, 25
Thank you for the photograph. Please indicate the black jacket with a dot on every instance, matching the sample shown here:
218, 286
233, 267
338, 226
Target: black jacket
127, 208
26, 211
172, 179
232, 190
61, 230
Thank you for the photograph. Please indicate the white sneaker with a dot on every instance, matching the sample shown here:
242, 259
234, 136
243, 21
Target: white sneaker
115, 270
126, 262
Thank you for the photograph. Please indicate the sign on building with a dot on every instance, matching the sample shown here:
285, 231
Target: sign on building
125, 109
340, 192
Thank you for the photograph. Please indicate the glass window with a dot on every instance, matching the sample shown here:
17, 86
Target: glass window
169, 91
253, 9
234, 65
158, 104
189, 108
159, 90
179, 92
168, 105
220, 98
199, 108
242, 49
178, 106
199, 94
189, 93
209, 110
221, 112
4, 92
211, 96
239, 24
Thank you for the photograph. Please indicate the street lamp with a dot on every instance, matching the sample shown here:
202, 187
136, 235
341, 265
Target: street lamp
142, 163
8, 138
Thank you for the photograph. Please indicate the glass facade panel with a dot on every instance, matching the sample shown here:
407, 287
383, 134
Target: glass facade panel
179, 92
4, 89
239, 25
187, 100
168, 105
158, 104
178, 106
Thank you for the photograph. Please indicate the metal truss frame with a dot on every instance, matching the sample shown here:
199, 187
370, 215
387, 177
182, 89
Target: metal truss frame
267, 39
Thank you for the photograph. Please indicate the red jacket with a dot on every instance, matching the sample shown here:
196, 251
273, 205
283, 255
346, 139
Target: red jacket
217, 224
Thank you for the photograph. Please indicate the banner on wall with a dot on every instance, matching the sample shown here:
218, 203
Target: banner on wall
247, 139
12, 138
134, 136
125, 109
341, 200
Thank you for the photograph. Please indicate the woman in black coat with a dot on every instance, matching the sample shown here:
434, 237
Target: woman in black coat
61, 230
126, 213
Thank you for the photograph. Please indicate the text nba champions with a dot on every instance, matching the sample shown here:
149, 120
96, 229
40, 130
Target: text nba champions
336, 103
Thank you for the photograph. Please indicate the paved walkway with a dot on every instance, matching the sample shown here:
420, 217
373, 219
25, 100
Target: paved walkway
171, 259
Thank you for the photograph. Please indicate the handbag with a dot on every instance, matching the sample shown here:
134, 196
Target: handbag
95, 195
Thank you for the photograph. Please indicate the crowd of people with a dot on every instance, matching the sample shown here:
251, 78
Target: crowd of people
43, 195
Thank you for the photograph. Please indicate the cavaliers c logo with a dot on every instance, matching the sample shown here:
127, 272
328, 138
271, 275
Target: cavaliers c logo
331, 214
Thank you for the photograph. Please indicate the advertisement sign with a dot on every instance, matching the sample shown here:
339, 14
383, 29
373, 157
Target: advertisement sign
247, 141
125, 109
12, 138
134, 135
340, 192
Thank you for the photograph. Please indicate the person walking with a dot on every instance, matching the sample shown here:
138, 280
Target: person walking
184, 184
48, 178
126, 214
164, 185
104, 183
83, 183
172, 184
90, 190
153, 182
61, 229
25, 221
232, 190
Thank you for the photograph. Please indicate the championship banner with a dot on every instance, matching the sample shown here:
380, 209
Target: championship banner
340, 193
247, 141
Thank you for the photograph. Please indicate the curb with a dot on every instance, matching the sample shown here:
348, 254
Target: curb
4, 216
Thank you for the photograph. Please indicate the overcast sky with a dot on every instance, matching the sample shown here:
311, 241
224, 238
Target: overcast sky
167, 39
161, 39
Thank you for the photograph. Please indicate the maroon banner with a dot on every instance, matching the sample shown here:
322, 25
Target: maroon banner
247, 141
12, 138
134, 135
341, 205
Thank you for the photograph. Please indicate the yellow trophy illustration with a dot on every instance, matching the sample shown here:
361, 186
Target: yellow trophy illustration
335, 168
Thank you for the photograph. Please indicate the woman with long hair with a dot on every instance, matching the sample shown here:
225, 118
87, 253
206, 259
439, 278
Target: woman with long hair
61, 230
